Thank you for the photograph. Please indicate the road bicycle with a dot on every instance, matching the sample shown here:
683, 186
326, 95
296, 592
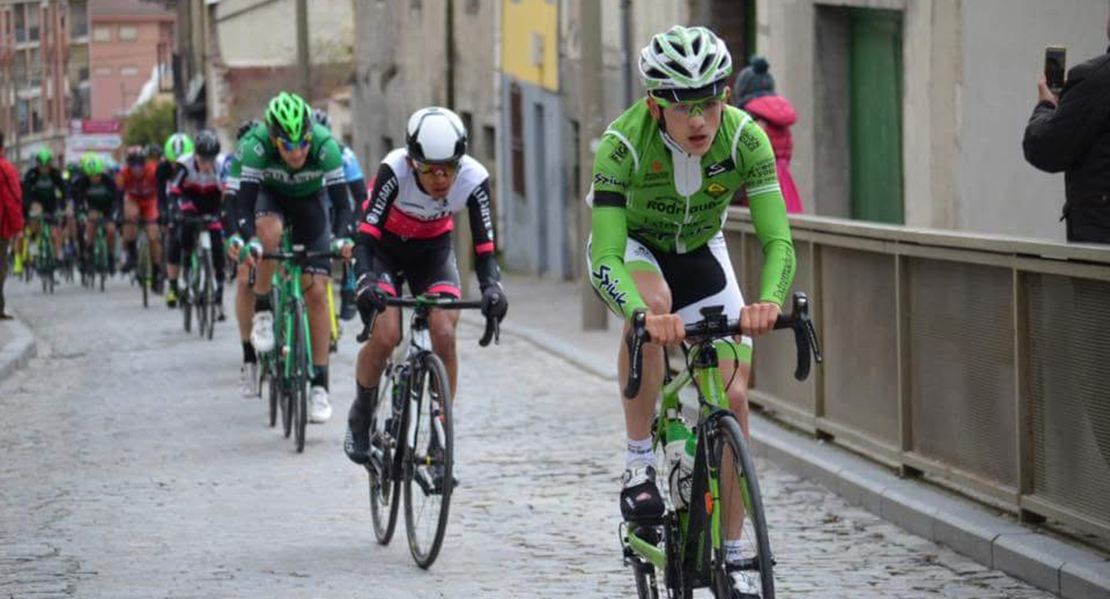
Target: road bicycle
712, 492
412, 438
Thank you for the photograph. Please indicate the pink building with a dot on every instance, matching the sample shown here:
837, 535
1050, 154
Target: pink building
128, 39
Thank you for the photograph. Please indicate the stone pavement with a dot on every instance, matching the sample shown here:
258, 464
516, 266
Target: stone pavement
132, 468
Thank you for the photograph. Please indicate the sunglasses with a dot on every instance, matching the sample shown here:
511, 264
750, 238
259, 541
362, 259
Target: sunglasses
694, 107
447, 168
291, 146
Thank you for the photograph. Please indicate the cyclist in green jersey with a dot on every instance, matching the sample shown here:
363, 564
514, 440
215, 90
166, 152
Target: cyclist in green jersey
44, 194
291, 168
664, 174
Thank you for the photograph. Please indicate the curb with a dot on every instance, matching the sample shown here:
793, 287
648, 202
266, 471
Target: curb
17, 352
995, 542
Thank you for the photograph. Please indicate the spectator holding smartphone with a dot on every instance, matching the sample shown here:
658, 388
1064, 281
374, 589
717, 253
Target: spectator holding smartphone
1071, 133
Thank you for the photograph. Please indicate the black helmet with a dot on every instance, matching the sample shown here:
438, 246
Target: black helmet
321, 118
245, 127
135, 156
207, 144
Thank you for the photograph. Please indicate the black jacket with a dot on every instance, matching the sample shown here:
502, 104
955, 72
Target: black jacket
1075, 138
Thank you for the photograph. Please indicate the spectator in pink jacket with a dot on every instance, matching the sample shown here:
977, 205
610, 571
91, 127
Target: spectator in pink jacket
11, 215
755, 94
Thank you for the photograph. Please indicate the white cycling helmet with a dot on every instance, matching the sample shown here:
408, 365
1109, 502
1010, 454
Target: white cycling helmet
685, 63
435, 135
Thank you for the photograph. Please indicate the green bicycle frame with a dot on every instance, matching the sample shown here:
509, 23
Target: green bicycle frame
713, 397
290, 291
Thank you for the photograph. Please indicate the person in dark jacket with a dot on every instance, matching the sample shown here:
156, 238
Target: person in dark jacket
1072, 134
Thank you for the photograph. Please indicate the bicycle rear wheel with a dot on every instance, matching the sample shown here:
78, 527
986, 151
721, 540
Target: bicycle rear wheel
142, 267
267, 376
741, 515
299, 395
209, 294
385, 478
429, 461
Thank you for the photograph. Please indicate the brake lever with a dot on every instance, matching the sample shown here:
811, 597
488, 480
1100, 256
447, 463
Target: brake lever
637, 334
367, 330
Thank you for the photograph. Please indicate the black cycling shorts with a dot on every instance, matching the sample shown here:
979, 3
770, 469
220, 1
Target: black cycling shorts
428, 265
309, 219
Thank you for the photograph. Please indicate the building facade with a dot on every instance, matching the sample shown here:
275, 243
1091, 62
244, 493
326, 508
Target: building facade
912, 111
44, 73
130, 49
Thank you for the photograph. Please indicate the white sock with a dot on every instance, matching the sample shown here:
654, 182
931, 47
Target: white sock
639, 452
734, 550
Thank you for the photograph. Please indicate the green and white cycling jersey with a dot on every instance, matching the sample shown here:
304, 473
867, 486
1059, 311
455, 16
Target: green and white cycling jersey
645, 187
258, 161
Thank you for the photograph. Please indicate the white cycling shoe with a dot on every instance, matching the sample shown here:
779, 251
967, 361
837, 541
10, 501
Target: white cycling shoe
262, 331
248, 379
320, 409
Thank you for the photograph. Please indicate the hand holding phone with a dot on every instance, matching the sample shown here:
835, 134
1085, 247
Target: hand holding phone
1055, 60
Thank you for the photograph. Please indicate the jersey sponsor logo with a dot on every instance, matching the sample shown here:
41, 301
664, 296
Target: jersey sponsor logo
482, 198
259, 150
656, 166
603, 179
720, 167
750, 141
715, 189
762, 172
674, 206
619, 153
609, 285
389, 187
280, 175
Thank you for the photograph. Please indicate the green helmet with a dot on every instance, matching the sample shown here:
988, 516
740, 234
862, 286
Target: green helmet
177, 145
44, 156
289, 117
92, 164
685, 58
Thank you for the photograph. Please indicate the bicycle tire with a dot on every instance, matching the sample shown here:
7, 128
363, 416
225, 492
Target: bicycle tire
184, 300
266, 376
209, 305
142, 267
300, 373
729, 434
385, 494
425, 551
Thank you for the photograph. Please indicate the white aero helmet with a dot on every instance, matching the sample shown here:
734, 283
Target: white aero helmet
685, 63
435, 135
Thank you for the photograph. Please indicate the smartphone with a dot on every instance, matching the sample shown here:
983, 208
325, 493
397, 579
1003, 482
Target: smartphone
1055, 58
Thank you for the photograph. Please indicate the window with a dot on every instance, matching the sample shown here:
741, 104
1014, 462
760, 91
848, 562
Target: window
129, 71
516, 140
83, 74
34, 65
468, 124
102, 71
102, 33
32, 22
79, 17
20, 25
489, 141
128, 33
21, 68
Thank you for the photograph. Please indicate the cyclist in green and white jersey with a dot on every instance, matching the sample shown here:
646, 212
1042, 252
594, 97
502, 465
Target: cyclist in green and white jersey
290, 168
663, 177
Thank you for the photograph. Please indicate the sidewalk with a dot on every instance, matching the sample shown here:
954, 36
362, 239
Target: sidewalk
17, 346
548, 315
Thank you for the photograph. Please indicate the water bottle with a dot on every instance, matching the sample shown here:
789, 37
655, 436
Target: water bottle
678, 437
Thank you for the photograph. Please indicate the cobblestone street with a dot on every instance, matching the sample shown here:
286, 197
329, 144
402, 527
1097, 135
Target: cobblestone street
132, 468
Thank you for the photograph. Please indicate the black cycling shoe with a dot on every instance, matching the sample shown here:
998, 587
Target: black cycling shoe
640, 498
128, 263
357, 446
347, 309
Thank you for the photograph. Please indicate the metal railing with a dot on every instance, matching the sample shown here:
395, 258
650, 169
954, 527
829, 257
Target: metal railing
979, 361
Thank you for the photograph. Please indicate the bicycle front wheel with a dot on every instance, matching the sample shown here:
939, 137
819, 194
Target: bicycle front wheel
741, 516
143, 268
429, 461
385, 475
299, 391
